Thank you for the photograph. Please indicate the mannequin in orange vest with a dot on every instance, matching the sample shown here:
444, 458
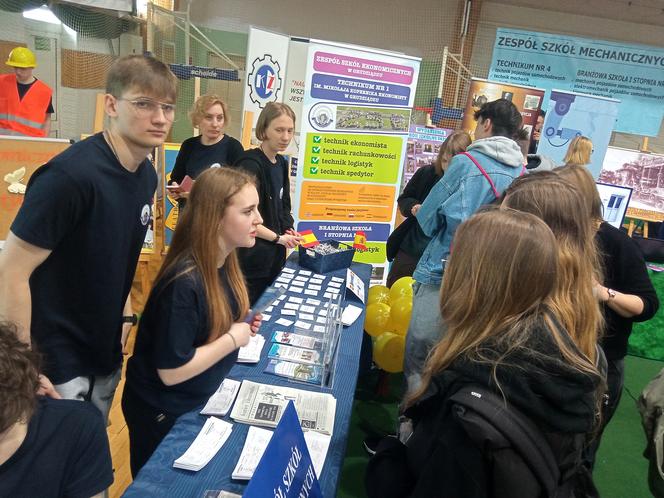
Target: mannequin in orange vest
25, 102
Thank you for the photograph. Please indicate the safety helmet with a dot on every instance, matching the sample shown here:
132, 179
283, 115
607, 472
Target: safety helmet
21, 57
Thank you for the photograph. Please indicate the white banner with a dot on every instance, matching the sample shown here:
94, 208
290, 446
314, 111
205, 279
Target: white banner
267, 55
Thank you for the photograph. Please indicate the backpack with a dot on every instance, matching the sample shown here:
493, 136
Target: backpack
517, 458
521, 459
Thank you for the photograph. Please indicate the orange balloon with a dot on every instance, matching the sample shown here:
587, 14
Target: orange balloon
388, 352
377, 319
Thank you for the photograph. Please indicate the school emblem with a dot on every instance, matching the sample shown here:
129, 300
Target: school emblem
264, 80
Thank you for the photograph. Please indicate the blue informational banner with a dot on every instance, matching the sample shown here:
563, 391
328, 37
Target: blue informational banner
634, 74
572, 114
285, 469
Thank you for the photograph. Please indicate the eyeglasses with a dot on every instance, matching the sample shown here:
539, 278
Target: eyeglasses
147, 107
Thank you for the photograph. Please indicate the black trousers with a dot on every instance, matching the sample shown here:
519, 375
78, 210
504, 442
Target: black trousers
147, 427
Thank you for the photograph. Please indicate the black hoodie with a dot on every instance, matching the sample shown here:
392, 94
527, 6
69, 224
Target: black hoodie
560, 400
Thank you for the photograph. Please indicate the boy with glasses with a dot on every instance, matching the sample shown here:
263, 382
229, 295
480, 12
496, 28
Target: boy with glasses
69, 260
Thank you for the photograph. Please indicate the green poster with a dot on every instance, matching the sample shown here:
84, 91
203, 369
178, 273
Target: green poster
354, 157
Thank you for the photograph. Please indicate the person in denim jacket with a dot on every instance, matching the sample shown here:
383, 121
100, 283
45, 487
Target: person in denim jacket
495, 160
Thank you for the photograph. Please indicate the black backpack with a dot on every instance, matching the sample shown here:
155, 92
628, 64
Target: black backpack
519, 455
517, 458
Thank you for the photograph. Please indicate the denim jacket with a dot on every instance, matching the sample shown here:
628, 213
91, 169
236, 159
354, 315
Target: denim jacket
461, 191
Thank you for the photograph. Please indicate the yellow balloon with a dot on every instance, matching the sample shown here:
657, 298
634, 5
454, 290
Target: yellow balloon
378, 294
401, 288
377, 319
400, 312
388, 352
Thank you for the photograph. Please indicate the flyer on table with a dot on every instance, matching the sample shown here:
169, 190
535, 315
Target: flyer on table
356, 119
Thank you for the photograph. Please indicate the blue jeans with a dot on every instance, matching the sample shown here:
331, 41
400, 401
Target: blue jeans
426, 328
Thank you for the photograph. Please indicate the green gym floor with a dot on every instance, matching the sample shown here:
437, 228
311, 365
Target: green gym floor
620, 471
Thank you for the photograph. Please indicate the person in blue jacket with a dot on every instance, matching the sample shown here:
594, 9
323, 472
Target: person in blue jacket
474, 178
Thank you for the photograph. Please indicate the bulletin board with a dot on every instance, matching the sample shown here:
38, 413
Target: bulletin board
19, 159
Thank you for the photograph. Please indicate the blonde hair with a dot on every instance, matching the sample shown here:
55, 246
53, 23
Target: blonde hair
271, 112
456, 143
560, 205
497, 287
202, 104
195, 245
579, 151
581, 177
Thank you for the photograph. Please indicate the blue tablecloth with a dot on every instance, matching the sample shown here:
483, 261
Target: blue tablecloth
159, 478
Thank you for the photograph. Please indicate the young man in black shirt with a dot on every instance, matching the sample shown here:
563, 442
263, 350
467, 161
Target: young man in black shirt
69, 260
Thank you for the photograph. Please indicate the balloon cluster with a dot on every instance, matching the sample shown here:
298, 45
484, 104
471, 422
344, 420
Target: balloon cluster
387, 319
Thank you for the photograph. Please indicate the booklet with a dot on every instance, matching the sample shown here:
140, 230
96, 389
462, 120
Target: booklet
220, 402
297, 355
263, 405
299, 340
312, 374
209, 441
251, 353
257, 441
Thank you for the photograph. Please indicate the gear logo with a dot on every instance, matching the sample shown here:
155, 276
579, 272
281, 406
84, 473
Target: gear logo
264, 80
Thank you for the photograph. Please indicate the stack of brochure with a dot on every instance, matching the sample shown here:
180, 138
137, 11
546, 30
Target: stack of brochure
220, 402
263, 405
209, 441
251, 353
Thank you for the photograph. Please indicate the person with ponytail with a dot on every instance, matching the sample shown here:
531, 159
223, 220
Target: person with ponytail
193, 323
503, 336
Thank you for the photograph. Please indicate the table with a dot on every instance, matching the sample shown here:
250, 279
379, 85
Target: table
158, 478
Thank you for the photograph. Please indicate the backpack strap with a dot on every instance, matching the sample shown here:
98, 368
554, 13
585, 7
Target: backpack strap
483, 171
523, 435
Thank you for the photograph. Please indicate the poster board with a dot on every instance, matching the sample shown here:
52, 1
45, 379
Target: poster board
168, 154
19, 158
356, 118
573, 114
423, 146
641, 171
629, 72
527, 99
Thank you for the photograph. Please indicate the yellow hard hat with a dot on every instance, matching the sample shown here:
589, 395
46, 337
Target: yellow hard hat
21, 57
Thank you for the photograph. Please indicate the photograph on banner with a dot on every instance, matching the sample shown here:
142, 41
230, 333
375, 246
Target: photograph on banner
570, 115
422, 149
627, 72
528, 100
171, 210
356, 118
19, 158
643, 173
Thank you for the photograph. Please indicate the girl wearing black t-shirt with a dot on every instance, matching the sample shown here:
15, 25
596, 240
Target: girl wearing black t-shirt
263, 262
192, 325
211, 148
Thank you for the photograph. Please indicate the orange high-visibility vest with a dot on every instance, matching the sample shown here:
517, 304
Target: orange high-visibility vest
25, 116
